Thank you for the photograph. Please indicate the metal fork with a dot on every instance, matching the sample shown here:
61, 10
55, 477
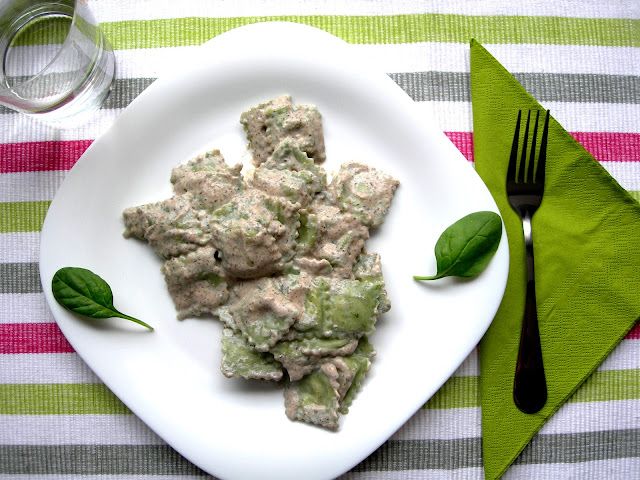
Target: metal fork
525, 187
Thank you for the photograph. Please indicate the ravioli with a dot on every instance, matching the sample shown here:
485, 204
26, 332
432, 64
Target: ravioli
278, 256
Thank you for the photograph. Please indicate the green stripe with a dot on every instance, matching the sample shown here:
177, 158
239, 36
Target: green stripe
635, 195
602, 386
457, 392
59, 399
390, 29
610, 385
22, 216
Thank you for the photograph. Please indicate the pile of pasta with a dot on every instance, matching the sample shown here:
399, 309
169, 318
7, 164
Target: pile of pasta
279, 257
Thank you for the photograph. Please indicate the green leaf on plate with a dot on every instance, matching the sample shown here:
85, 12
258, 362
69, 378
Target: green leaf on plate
465, 248
85, 293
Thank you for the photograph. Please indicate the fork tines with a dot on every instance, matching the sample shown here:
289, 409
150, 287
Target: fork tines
523, 171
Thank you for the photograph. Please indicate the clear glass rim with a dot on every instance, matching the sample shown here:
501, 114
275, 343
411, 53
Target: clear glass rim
73, 5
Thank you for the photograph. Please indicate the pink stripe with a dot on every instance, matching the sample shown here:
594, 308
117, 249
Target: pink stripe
463, 141
33, 338
634, 334
41, 156
611, 147
47, 338
59, 155
605, 147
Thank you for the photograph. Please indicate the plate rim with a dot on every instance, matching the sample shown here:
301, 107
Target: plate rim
168, 79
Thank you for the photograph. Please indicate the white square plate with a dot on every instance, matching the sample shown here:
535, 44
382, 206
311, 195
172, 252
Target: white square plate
170, 377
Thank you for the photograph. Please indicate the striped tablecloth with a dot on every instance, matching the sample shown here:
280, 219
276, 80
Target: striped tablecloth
579, 58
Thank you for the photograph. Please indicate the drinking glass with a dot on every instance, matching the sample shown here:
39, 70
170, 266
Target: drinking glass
57, 66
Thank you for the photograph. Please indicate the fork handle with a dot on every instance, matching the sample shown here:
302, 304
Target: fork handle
529, 385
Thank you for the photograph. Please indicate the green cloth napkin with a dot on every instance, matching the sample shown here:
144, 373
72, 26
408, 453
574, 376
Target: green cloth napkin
587, 264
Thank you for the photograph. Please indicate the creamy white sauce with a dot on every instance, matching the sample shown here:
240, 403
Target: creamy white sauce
279, 257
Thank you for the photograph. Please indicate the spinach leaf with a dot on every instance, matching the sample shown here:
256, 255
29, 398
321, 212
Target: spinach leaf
83, 292
465, 248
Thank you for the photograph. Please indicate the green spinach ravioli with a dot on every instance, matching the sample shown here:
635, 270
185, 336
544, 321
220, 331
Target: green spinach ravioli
278, 256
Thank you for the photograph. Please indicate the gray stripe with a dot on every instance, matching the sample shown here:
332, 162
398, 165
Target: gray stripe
395, 455
122, 94
545, 87
424, 455
125, 90
20, 278
454, 87
467, 452
434, 86
582, 447
94, 460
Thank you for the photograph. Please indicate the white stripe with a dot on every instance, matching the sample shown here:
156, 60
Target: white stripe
450, 424
627, 174
567, 8
149, 62
626, 356
574, 117
19, 128
474, 473
622, 468
454, 57
450, 116
586, 417
601, 469
30, 186
596, 117
70, 368
444, 57
19, 247
441, 424
567, 59
45, 368
24, 308
32, 59
115, 10
470, 367
75, 430
438, 57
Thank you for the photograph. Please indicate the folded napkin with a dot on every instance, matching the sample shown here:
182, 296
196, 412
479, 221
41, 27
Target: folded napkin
587, 264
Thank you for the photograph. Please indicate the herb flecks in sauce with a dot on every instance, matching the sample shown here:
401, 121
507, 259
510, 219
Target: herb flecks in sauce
279, 257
